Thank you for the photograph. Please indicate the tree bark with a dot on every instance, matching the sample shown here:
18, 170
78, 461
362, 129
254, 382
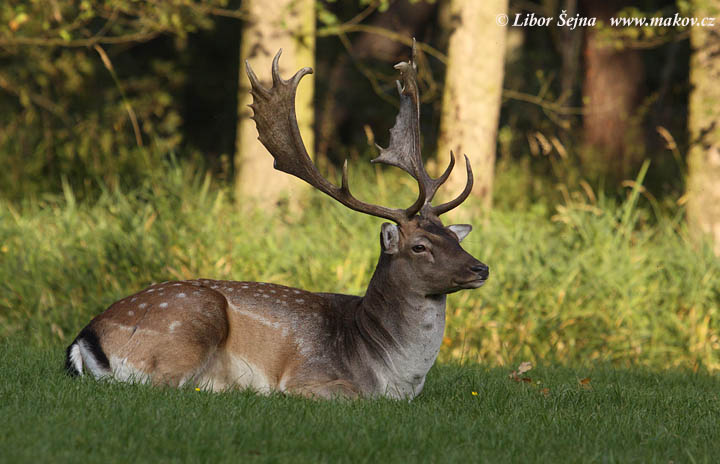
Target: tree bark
611, 93
473, 88
290, 25
703, 187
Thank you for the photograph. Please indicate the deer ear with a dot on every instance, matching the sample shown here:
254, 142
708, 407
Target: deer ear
389, 238
461, 230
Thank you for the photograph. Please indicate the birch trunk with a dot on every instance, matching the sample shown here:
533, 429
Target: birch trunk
473, 88
704, 125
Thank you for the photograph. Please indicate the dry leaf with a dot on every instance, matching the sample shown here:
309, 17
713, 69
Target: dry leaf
585, 383
545, 391
524, 367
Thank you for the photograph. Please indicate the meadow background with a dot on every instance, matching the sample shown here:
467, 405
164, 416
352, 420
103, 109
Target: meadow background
124, 163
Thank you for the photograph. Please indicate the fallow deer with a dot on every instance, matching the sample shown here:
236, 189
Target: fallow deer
223, 334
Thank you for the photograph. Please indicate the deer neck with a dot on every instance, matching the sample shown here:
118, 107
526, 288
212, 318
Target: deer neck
403, 329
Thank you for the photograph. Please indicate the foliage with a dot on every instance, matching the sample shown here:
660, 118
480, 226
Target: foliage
602, 281
79, 97
620, 416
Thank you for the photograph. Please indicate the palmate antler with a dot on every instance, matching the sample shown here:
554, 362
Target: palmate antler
274, 115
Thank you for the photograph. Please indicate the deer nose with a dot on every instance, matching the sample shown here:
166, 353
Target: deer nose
481, 270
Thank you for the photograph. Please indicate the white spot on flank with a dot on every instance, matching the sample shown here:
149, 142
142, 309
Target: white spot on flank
181, 295
133, 299
299, 300
297, 292
214, 286
150, 290
131, 313
266, 296
142, 305
229, 289
174, 325
176, 285
273, 291
163, 305
196, 292
245, 286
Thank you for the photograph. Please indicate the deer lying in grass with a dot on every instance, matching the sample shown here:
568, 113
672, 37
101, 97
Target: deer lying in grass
223, 334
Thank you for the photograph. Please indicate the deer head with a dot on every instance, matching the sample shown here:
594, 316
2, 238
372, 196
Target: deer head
418, 247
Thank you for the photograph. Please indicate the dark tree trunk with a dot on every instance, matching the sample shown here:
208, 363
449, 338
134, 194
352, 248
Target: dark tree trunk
612, 90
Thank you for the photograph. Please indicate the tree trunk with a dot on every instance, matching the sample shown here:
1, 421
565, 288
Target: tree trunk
611, 93
290, 25
473, 87
704, 125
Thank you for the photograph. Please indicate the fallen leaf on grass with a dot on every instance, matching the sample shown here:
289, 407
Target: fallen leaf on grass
522, 368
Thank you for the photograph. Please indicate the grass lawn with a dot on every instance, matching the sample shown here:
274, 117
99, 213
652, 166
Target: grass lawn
618, 415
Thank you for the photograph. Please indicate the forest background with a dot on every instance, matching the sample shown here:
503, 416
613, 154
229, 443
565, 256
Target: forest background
129, 158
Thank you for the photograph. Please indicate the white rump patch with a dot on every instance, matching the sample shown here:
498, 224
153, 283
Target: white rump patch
76, 358
89, 360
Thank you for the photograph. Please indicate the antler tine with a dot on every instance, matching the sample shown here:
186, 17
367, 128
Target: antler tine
445, 207
274, 115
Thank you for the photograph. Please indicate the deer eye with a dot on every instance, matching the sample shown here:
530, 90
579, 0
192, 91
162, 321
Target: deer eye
418, 248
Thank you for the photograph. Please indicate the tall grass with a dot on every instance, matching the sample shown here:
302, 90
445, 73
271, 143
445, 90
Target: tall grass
599, 280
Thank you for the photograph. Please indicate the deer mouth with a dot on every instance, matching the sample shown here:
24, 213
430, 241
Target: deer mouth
472, 283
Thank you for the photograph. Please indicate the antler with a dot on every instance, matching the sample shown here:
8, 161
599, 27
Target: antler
274, 116
404, 149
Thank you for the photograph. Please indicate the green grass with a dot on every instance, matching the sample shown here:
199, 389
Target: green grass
623, 416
